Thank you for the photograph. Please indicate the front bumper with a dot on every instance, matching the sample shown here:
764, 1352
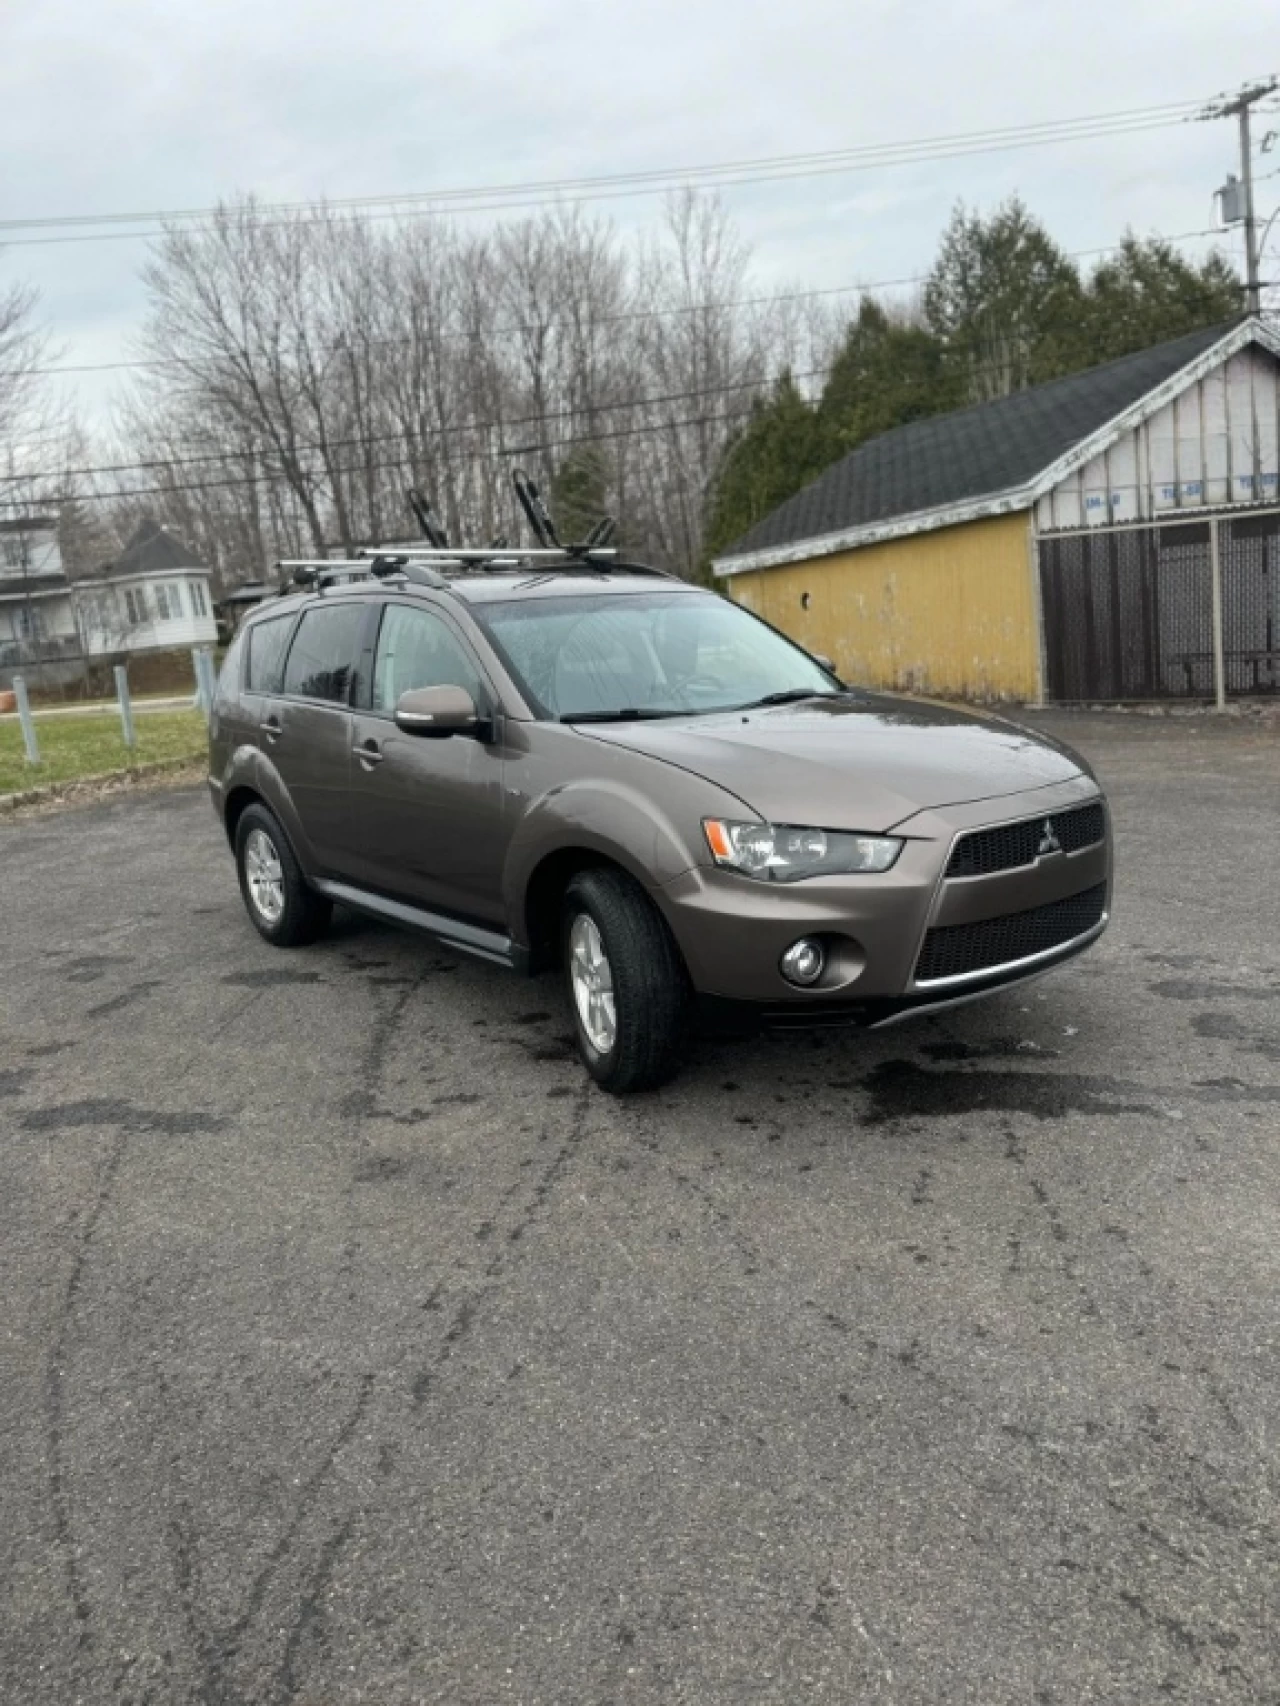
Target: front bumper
732, 930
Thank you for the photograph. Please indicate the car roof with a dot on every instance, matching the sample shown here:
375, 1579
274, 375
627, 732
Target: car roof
522, 582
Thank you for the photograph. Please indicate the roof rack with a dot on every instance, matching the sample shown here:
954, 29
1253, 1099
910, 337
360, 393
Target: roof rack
319, 572
423, 564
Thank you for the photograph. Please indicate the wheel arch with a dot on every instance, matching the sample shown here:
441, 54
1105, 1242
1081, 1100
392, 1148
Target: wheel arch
235, 805
544, 897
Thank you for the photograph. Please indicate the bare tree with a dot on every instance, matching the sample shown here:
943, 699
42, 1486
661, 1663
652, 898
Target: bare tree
23, 348
304, 370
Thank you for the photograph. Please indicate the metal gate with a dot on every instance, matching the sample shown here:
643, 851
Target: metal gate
1131, 612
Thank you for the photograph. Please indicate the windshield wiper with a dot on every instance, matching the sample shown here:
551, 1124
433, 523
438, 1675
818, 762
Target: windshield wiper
792, 696
628, 714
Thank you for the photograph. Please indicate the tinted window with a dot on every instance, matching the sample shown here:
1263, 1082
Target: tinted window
322, 658
266, 654
417, 649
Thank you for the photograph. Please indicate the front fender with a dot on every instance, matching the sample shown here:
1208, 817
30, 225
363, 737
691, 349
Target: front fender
652, 831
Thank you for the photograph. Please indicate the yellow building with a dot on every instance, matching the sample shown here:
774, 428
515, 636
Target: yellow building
1111, 535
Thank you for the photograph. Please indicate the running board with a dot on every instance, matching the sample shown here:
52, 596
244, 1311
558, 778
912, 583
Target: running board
451, 932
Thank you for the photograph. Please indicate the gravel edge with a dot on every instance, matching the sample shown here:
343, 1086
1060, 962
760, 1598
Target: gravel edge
87, 790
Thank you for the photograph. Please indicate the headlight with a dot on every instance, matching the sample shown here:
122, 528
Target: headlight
783, 853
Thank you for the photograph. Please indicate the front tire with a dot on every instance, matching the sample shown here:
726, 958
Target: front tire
628, 988
281, 907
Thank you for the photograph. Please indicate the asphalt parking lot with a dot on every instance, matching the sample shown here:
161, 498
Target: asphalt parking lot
355, 1350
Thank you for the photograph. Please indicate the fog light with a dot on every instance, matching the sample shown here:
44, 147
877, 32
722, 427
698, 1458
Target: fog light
803, 961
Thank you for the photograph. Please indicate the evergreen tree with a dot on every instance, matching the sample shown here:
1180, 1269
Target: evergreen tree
1147, 293
1004, 299
890, 370
777, 452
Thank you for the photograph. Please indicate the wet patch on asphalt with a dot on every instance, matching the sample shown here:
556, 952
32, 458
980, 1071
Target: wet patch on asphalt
125, 999
1225, 1027
271, 978
90, 968
116, 1111
901, 1089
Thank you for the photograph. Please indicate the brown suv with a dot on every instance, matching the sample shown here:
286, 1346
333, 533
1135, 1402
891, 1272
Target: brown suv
554, 757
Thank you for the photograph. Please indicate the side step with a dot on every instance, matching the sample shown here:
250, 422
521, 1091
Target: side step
488, 945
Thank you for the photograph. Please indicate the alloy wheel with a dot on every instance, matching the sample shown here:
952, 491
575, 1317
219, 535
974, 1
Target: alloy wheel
265, 876
592, 979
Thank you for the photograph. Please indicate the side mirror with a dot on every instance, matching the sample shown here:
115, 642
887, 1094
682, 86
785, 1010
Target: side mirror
824, 662
437, 712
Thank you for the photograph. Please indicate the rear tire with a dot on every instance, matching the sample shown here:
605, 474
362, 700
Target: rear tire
628, 988
281, 906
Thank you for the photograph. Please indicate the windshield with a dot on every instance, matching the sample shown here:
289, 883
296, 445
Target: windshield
647, 654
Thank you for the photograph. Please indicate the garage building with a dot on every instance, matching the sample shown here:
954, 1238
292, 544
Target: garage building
1113, 535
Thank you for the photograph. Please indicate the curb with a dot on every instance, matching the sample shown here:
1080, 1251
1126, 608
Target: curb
109, 781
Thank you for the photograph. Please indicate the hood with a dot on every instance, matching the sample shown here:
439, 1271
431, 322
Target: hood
857, 763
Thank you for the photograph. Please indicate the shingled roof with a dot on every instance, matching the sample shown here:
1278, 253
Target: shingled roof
969, 454
153, 551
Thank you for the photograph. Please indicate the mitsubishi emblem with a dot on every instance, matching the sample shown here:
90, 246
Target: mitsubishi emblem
1049, 842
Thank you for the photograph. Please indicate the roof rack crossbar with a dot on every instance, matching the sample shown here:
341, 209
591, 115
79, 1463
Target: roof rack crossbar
490, 553
318, 572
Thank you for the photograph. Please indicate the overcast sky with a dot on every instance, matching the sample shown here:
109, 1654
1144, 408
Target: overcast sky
124, 106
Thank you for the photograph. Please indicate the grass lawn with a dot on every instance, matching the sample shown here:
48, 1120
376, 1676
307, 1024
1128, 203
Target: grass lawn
75, 747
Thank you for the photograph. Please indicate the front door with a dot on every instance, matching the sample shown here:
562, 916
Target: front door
427, 823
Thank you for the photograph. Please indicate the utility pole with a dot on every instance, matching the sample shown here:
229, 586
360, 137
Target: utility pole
1240, 106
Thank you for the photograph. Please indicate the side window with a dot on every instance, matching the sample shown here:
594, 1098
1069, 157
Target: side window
322, 658
417, 649
266, 654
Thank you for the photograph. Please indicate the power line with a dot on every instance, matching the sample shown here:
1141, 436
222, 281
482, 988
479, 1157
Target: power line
275, 475
517, 328
728, 174
163, 462
397, 464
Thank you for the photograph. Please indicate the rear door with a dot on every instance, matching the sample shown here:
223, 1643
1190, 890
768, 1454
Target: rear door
427, 822
305, 728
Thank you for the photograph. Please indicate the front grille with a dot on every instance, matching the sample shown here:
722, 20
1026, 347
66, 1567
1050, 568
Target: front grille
953, 949
1013, 844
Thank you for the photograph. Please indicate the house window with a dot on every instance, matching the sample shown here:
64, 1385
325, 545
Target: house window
199, 603
176, 599
28, 623
162, 602
13, 551
135, 602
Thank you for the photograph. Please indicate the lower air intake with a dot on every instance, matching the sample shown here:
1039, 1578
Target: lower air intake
954, 949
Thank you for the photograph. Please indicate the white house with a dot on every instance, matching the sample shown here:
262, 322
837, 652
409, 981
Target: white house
38, 620
154, 598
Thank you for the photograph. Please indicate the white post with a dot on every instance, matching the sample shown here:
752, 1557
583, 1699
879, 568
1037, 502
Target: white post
1219, 654
26, 719
202, 683
126, 708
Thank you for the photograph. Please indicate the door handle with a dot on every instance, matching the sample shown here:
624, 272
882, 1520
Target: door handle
271, 728
368, 754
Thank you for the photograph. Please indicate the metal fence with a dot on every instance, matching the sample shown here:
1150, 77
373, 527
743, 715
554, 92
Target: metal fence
1171, 610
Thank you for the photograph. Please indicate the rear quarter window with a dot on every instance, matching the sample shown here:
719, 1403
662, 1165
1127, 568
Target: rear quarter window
265, 648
